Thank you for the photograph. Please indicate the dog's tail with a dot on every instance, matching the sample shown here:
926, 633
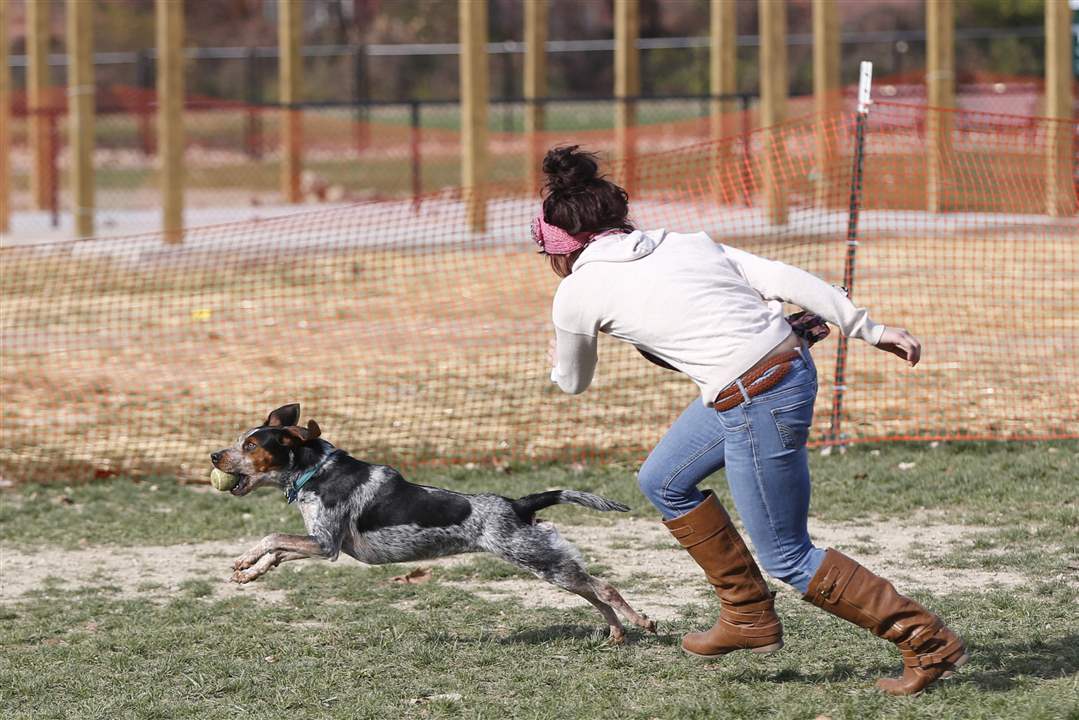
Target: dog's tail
529, 505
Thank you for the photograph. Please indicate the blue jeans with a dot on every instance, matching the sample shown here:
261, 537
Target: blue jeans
762, 444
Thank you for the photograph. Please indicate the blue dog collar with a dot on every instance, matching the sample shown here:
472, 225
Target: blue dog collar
294, 488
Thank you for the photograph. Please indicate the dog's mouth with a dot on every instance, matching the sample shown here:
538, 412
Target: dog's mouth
241, 486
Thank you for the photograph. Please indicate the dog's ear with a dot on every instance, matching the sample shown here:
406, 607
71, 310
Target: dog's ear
283, 416
301, 436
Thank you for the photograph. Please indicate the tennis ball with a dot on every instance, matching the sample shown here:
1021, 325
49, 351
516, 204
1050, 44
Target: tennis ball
222, 480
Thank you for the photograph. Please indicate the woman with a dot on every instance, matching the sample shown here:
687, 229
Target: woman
714, 313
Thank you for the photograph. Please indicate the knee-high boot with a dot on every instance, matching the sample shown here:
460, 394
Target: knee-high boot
930, 650
747, 619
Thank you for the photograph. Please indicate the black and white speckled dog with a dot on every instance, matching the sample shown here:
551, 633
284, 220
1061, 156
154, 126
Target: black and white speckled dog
373, 514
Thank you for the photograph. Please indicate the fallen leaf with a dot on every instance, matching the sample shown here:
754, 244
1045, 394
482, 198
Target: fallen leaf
415, 577
906, 465
270, 658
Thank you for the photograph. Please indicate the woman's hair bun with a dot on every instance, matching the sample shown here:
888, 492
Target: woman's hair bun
568, 167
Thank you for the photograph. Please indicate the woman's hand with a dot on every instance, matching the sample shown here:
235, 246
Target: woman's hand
902, 344
552, 353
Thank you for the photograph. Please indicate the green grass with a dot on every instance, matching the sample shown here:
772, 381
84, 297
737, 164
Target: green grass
344, 641
343, 645
973, 483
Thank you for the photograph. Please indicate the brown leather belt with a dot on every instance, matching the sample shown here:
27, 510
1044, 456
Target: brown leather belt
732, 396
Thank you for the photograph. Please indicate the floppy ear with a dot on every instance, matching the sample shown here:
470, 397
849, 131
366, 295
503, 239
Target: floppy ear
283, 416
301, 436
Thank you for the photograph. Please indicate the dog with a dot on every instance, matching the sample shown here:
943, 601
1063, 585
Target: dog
373, 514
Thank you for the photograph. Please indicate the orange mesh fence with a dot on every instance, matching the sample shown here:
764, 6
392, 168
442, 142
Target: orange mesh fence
413, 339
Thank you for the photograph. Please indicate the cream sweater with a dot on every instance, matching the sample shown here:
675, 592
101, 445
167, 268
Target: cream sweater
709, 310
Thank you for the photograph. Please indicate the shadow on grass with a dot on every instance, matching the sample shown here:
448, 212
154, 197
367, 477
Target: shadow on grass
596, 633
1008, 661
552, 633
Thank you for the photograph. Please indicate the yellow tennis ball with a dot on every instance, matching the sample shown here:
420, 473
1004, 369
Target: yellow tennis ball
222, 480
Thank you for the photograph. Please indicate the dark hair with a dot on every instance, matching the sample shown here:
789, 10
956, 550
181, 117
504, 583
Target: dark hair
577, 199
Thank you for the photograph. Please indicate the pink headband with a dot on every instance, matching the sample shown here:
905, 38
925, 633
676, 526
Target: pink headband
556, 241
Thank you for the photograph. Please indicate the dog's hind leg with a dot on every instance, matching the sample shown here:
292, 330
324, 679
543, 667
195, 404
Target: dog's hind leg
570, 575
542, 551
608, 594
601, 594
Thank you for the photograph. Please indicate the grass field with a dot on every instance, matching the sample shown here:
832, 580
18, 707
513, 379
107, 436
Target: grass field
114, 604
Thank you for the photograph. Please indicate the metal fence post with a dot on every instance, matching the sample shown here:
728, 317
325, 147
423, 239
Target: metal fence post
866, 79
144, 80
52, 143
253, 130
414, 145
361, 93
507, 92
747, 162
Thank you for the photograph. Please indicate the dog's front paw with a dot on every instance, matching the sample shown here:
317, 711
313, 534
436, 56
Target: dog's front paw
244, 576
263, 565
246, 560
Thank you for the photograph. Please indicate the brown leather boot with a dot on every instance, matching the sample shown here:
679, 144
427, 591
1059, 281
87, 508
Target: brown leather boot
930, 650
747, 619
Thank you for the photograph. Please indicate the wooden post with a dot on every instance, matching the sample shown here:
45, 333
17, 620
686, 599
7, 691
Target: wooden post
38, 102
170, 115
940, 81
290, 64
472, 19
535, 87
825, 90
627, 84
773, 68
80, 100
722, 62
1060, 154
5, 123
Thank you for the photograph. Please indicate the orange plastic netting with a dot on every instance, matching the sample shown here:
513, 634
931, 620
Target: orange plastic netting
412, 339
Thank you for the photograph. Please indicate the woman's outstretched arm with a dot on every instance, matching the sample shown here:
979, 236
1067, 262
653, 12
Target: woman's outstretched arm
775, 280
778, 281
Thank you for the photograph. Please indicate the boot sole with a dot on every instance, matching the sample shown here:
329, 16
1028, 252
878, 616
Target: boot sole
763, 650
963, 659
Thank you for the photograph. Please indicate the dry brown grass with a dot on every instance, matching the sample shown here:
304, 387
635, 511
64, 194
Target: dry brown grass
439, 354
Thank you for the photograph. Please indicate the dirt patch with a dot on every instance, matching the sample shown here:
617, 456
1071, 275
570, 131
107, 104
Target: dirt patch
654, 575
659, 578
153, 571
145, 571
